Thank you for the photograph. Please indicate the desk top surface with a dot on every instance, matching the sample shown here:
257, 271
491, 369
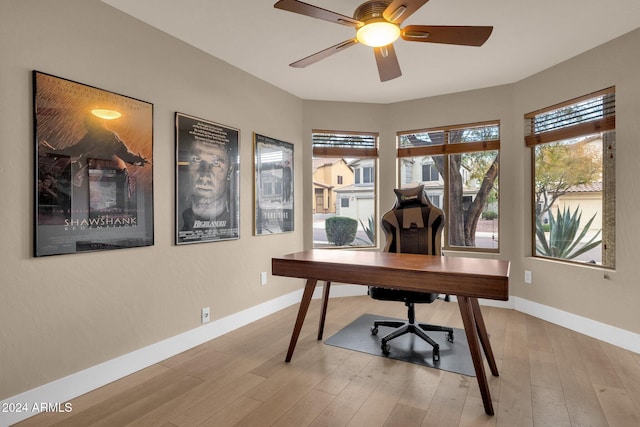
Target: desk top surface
472, 277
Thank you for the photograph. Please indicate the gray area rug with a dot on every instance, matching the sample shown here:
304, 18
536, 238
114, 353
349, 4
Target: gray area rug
454, 357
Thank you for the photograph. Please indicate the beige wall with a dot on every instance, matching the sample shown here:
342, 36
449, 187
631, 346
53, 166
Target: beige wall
61, 314
581, 290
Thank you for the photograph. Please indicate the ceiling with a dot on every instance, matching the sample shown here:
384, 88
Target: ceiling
528, 37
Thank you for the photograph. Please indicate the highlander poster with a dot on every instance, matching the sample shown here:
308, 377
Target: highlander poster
273, 185
94, 168
207, 184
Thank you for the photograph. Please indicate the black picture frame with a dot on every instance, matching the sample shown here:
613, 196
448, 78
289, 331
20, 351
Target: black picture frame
93, 168
273, 186
207, 181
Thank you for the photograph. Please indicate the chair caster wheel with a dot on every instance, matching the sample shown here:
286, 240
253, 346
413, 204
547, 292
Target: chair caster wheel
436, 357
450, 337
386, 349
374, 331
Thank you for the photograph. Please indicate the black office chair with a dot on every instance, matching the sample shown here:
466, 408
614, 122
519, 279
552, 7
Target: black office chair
414, 226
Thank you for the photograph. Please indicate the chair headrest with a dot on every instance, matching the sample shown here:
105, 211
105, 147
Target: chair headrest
411, 197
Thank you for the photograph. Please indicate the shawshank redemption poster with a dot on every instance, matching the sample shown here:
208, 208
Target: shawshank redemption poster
207, 187
94, 168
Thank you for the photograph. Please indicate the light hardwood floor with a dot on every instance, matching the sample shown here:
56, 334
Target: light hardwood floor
549, 376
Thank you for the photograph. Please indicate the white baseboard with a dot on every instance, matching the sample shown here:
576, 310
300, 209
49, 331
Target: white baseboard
79, 383
592, 328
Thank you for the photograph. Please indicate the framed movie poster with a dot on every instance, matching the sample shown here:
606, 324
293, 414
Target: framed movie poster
94, 168
207, 181
273, 185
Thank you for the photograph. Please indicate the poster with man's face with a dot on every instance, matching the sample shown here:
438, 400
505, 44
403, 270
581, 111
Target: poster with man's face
207, 185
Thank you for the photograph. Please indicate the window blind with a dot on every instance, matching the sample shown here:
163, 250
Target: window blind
450, 140
344, 144
588, 114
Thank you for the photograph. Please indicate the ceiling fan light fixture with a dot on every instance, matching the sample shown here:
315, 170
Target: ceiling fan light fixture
377, 34
377, 24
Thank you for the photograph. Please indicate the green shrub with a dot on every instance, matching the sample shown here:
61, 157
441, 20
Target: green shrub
341, 230
489, 215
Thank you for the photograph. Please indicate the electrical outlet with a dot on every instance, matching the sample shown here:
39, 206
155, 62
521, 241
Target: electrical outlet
527, 277
263, 278
205, 315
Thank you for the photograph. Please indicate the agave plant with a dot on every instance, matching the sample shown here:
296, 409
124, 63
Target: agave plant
369, 230
563, 235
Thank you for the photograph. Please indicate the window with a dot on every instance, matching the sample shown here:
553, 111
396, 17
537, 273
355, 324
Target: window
458, 165
573, 182
367, 175
430, 172
435, 199
344, 174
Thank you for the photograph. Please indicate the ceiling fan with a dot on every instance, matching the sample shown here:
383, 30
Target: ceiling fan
377, 24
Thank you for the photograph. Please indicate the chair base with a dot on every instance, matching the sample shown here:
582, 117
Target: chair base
410, 326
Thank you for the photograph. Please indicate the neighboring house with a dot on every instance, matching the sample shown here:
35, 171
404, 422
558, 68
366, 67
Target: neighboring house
329, 175
423, 171
358, 200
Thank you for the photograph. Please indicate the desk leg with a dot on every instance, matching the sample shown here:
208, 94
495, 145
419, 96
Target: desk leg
470, 327
302, 312
484, 336
323, 310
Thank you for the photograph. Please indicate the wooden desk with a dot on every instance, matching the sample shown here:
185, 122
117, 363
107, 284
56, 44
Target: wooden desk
466, 278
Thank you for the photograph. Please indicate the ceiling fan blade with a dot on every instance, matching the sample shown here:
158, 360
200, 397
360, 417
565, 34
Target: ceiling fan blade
312, 59
399, 10
460, 35
388, 66
296, 6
